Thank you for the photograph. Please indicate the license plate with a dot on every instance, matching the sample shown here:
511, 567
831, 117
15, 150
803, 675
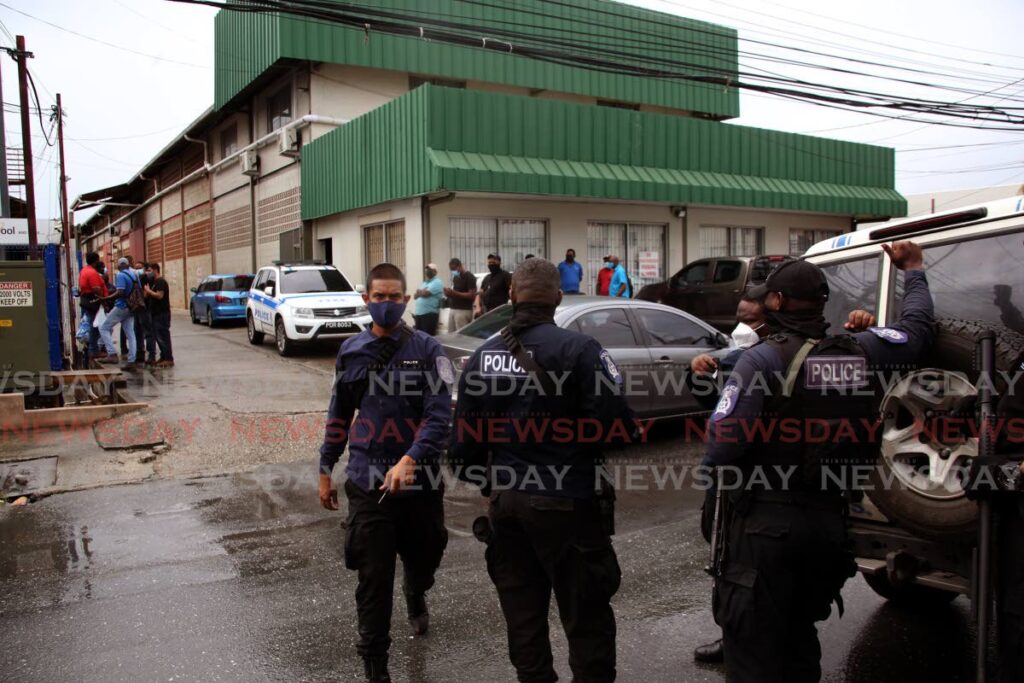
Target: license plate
338, 326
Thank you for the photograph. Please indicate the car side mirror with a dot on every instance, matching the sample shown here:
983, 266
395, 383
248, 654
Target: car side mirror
269, 290
193, 290
361, 289
724, 340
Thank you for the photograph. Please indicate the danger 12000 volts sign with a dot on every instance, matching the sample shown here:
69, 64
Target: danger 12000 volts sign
15, 294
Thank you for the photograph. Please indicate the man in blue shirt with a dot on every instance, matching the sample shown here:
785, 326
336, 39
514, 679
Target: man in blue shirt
571, 273
398, 380
620, 281
120, 314
428, 301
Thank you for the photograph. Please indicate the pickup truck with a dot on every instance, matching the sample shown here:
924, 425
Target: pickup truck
710, 288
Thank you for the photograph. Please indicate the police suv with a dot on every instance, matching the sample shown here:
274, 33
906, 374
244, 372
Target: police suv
302, 302
915, 530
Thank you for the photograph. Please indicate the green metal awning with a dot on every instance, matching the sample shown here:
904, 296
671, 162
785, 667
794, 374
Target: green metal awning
440, 139
477, 172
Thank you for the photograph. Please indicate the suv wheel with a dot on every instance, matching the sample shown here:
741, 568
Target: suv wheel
192, 314
255, 337
918, 483
285, 346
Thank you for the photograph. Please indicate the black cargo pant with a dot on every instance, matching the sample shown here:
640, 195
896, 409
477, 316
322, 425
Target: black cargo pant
540, 544
785, 565
407, 526
427, 322
1010, 590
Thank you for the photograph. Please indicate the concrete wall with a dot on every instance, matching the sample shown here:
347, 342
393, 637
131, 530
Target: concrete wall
933, 202
776, 226
348, 240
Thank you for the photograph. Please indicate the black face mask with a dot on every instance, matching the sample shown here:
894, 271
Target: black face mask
809, 324
493, 267
530, 313
569, 258
429, 274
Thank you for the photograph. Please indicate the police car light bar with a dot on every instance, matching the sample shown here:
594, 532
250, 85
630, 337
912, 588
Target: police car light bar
928, 223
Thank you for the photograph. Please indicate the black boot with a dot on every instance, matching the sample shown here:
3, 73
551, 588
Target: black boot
376, 669
419, 617
712, 653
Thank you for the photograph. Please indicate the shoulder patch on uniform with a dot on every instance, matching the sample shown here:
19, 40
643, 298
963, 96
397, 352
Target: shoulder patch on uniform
445, 369
889, 334
726, 402
610, 368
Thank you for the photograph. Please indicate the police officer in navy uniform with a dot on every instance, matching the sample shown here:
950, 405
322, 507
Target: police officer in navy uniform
398, 381
549, 516
786, 555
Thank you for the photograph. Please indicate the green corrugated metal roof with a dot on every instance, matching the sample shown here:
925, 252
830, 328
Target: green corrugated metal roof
248, 44
441, 139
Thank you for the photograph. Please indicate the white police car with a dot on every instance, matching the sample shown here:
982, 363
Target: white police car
302, 302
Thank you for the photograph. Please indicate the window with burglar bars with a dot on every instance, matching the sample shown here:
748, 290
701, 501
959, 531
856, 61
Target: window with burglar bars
721, 240
385, 243
640, 247
472, 239
801, 240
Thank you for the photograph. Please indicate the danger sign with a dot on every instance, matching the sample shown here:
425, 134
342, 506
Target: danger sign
15, 294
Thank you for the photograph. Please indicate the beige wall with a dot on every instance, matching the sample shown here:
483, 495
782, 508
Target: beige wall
776, 225
346, 92
348, 245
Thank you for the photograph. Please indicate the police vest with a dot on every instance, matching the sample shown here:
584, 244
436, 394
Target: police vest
822, 413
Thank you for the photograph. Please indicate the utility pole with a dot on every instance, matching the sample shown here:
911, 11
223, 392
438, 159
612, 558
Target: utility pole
5, 197
65, 219
23, 56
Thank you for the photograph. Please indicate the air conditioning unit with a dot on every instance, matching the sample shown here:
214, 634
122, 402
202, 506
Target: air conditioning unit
288, 142
250, 163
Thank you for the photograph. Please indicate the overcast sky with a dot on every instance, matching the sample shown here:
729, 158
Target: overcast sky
133, 73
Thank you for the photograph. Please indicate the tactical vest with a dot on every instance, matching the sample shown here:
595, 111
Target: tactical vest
822, 413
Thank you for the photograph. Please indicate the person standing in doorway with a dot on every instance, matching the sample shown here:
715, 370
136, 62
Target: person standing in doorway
494, 290
604, 276
158, 301
460, 295
571, 273
619, 286
428, 301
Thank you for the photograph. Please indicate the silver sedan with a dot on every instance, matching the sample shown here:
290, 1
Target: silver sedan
652, 344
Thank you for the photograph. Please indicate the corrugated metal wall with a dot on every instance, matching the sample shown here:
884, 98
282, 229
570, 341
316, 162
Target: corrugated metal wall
247, 44
436, 139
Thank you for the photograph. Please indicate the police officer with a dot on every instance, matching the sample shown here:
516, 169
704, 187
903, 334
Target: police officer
397, 380
786, 555
525, 399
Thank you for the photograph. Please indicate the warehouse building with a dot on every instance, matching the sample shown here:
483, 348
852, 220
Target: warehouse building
356, 146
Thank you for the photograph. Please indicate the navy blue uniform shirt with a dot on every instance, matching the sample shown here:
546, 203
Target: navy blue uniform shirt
404, 411
896, 347
548, 445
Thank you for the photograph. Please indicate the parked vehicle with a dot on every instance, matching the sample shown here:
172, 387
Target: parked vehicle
220, 297
651, 344
710, 288
924, 527
303, 302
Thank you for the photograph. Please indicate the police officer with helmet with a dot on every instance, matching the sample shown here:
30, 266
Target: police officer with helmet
785, 556
397, 379
525, 397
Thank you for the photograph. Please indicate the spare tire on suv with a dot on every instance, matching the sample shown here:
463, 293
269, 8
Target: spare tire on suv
929, 433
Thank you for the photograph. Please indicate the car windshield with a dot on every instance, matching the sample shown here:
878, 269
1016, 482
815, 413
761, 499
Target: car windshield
486, 325
238, 283
313, 280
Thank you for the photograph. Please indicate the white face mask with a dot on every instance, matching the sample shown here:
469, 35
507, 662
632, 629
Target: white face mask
745, 336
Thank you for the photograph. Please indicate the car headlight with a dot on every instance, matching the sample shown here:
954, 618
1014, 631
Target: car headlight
361, 310
460, 362
303, 313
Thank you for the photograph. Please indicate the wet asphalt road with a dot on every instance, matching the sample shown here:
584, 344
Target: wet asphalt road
239, 577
